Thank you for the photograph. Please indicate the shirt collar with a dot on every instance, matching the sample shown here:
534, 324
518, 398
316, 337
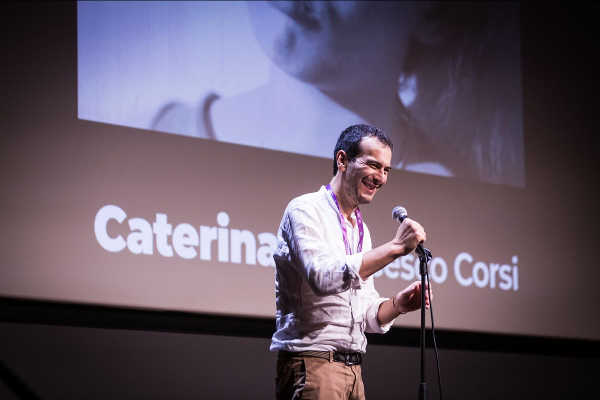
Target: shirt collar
333, 206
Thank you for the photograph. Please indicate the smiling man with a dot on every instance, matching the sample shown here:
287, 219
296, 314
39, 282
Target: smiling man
325, 296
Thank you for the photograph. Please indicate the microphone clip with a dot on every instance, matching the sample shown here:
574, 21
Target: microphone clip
423, 253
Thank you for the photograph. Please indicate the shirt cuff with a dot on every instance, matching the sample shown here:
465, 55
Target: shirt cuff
373, 325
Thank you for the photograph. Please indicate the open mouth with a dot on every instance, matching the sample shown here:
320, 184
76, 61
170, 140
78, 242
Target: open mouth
370, 185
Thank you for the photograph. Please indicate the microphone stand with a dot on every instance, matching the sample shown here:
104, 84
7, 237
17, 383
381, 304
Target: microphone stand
424, 258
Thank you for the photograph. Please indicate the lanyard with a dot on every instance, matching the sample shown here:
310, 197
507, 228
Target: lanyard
359, 221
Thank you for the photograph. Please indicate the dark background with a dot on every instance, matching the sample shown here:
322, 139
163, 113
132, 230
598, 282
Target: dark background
52, 350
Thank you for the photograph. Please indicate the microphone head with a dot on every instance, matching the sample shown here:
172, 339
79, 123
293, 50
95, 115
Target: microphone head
399, 213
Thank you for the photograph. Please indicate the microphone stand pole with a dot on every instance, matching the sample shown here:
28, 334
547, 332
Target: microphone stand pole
424, 258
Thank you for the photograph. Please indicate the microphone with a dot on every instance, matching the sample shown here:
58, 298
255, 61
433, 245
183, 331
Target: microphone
399, 214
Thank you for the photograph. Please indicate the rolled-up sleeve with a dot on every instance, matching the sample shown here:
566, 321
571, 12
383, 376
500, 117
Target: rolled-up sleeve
372, 302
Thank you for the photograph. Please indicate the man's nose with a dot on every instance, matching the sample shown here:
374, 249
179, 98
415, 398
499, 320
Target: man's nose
380, 177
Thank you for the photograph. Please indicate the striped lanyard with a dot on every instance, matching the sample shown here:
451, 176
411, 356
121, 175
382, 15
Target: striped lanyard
359, 221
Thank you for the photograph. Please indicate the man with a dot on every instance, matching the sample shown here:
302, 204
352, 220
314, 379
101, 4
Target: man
324, 288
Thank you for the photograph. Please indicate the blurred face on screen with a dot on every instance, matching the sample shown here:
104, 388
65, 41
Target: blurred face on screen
323, 42
368, 172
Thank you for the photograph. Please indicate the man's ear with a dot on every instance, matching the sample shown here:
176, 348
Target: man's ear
341, 158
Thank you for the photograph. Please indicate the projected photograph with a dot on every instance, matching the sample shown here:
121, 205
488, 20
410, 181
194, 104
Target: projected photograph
442, 79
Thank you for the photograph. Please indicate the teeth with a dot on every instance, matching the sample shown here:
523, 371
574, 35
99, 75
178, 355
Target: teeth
369, 185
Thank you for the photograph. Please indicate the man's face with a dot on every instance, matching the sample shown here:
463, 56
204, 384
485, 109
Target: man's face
368, 172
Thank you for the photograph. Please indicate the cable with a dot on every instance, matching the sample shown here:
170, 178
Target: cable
435, 349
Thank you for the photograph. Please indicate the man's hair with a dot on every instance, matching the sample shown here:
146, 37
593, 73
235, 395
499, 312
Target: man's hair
350, 139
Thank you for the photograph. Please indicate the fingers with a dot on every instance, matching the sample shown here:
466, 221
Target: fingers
418, 230
414, 291
428, 295
428, 292
409, 234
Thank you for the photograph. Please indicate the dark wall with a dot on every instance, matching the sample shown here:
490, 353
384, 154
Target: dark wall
60, 361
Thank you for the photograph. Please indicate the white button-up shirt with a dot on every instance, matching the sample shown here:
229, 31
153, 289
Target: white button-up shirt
322, 303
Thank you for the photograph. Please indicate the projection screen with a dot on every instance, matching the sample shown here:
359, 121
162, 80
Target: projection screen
197, 122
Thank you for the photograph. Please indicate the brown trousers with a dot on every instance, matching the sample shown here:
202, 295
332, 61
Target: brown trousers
307, 377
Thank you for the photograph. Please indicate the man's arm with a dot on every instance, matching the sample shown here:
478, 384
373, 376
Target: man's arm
408, 235
405, 301
328, 270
